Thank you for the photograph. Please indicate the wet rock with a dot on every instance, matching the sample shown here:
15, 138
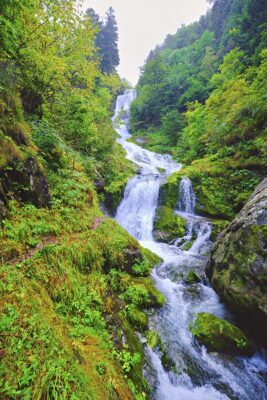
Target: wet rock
153, 339
238, 263
167, 363
219, 335
99, 185
192, 277
168, 225
131, 257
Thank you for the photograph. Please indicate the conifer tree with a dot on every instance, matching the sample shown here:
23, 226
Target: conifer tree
110, 53
98, 25
106, 39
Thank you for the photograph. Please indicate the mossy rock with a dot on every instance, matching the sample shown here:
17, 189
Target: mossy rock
188, 245
155, 297
153, 339
167, 363
238, 264
219, 335
192, 277
218, 226
168, 195
168, 225
220, 191
137, 318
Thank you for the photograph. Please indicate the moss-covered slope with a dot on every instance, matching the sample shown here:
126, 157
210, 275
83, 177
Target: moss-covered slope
74, 287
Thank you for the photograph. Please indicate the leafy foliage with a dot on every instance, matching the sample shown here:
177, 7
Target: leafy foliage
202, 97
56, 336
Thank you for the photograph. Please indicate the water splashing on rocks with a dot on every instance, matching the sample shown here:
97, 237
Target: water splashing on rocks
193, 373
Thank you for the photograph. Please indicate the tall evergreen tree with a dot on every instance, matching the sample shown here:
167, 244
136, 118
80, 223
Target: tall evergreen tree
98, 24
106, 39
110, 52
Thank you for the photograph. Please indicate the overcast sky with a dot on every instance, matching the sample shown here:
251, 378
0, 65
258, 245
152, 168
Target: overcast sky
145, 23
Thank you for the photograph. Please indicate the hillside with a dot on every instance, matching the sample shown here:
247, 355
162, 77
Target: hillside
104, 243
65, 268
202, 97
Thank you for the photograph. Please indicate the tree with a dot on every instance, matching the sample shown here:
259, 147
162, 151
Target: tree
109, 45
97, 23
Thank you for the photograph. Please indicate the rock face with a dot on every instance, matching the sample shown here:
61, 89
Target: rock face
219, 335
238, 263
25, 182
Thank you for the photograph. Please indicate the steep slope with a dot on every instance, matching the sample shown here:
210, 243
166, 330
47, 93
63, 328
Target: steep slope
201, 97
68, 321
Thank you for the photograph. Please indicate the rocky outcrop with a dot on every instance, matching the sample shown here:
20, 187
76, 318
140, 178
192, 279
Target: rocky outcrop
219, 335
25, 182
168, 225
238, 263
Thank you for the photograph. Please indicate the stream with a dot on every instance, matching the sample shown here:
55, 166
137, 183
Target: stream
198, 374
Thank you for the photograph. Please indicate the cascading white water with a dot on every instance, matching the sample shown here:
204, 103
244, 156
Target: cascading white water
187, 198
199, 375
137, 210
197, 227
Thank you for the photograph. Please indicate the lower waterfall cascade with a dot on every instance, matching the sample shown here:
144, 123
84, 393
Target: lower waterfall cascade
198, 374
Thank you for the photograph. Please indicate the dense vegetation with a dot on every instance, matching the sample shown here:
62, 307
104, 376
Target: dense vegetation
74, 286
202, 97
73, 283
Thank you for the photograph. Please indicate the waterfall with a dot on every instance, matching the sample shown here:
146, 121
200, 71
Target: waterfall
137, 210
197, 228
199, 375
187, 198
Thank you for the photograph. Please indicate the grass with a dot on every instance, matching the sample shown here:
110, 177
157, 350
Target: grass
63, 286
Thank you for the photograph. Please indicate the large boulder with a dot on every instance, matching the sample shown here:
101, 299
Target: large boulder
238, 264
168, 225
219, 335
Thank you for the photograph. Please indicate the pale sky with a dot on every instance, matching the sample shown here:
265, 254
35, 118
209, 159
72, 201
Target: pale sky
145, 23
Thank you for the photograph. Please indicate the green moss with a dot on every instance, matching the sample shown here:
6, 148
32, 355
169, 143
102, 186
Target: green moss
167, 225
219, 335
169, 192
167, 362
153, 339
137, 317
192, 277
9, 151
156, 298
221, 186
188, 245
218, 226
142, 293
133, 342
152, 258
